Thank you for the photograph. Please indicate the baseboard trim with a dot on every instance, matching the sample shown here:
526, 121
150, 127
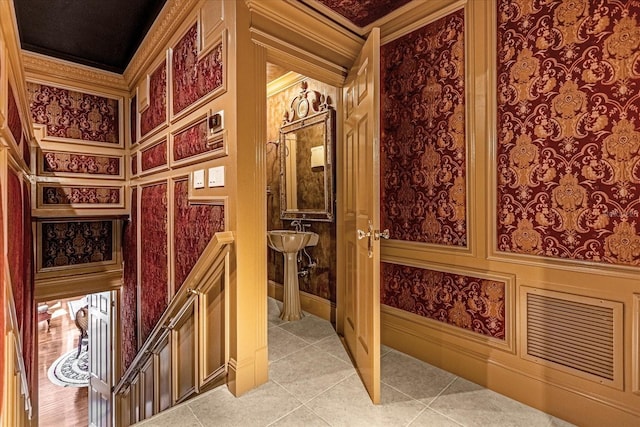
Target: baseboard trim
412, 337
313, 304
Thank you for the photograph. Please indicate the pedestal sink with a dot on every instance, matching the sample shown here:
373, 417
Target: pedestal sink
289, 242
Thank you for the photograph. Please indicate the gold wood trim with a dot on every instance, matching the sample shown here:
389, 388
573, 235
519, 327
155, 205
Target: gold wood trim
313, 304
635, 344
41, 67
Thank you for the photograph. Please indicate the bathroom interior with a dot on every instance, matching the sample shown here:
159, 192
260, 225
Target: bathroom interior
316, 263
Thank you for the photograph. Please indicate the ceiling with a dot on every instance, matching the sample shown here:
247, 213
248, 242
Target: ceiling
105, 34
99, 33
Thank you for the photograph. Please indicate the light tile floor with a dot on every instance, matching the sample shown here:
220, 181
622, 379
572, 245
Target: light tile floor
312, 383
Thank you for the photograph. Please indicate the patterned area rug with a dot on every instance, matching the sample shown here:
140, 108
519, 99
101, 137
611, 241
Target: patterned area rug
67, 371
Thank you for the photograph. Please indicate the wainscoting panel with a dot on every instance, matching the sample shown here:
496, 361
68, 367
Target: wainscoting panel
635, 350
575, 334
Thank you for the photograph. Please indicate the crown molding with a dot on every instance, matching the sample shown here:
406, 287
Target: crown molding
297, 24
166, 24
46, 68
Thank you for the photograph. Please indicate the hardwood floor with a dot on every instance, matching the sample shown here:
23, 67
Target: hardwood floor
58, 406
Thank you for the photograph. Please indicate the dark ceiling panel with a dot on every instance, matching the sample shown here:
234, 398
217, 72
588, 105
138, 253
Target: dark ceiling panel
363, 12
99, 33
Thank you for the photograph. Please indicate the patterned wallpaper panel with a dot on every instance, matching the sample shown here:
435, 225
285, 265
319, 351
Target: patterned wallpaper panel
129, 317
14, 122
15, 240
76, 115
363, 12
133, 120
76, 242
467, 302
156, 113
568, 149
154, 156
29, 323
134, 164
72, 163
193, 142
193, 227
423, 148
80, 195
194, 78
153, 263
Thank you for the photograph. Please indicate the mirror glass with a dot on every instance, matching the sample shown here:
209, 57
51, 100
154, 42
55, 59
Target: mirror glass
306, 144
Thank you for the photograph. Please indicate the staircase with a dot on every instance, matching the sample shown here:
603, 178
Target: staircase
186, 352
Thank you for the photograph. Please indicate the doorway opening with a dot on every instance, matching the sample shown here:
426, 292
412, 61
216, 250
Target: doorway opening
63, 360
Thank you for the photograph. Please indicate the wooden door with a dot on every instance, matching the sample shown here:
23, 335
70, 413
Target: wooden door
100, 359
361, 214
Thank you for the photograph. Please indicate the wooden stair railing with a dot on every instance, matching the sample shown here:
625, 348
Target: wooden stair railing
185, 319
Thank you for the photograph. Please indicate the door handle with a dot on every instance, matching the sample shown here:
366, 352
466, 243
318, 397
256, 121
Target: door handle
370, 235
377, 234
362, 234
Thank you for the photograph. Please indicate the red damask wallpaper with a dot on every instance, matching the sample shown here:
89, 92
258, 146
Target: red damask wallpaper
153, 263
156, 113
466, 302
15, 229
423, 150
72, 114
29, 322
134, 164
154, 157
67, 195
568, 154
194, 78
363, 12
193, 227
129, 312
55, 161
192, 142
76, 242
13, 117
133, 118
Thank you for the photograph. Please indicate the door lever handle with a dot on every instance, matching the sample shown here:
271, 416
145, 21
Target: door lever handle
377, 234
362, 234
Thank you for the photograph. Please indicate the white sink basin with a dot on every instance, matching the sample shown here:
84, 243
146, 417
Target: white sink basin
289, 241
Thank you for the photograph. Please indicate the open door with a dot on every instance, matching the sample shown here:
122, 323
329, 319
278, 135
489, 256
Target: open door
361, 214
100, 359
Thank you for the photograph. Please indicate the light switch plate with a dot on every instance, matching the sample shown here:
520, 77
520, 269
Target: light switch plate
198, 178
216, 176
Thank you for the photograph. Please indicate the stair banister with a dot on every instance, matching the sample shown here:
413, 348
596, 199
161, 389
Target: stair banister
209, 264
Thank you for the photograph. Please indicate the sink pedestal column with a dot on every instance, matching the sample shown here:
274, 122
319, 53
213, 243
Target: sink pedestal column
291, 309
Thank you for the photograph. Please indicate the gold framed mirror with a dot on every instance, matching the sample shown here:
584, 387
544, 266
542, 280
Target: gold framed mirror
307, 139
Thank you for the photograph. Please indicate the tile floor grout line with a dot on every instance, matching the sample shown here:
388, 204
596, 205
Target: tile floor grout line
445, 388
416, 417
316, 414
195, 416
287, 414
403, 393
318, 394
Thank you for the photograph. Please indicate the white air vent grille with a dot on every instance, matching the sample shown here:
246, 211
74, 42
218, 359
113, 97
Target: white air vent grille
572, 333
